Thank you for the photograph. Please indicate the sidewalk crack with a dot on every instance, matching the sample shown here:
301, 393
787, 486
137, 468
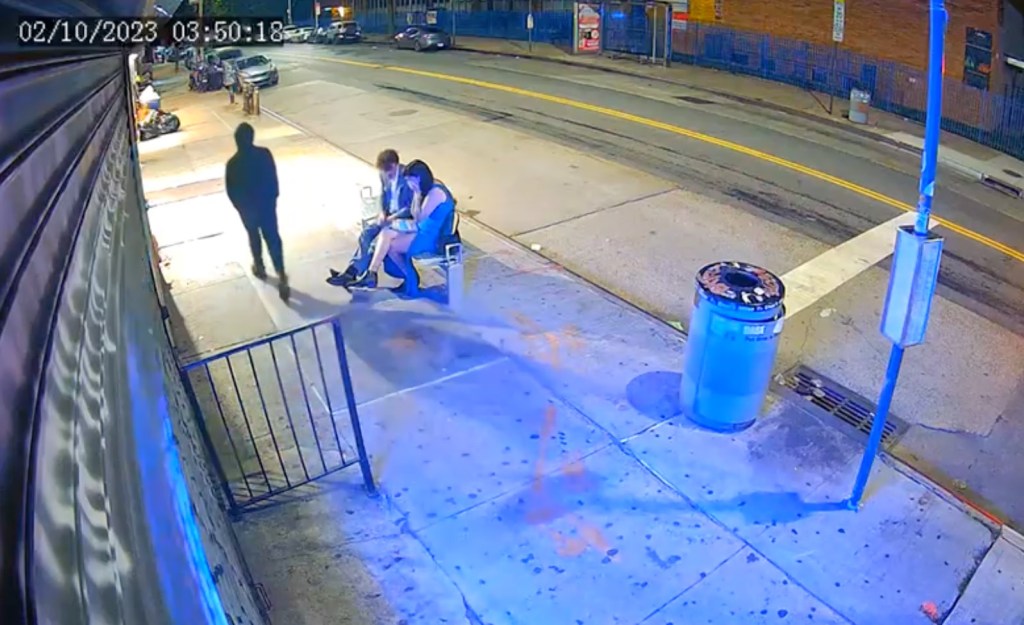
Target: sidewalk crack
700, 579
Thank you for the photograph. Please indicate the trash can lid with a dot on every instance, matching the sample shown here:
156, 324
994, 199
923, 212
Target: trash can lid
741, 285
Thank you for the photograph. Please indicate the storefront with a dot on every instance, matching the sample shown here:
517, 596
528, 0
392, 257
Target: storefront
109, 511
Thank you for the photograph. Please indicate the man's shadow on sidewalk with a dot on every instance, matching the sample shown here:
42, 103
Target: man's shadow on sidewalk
768, 508
406, 345
557, 495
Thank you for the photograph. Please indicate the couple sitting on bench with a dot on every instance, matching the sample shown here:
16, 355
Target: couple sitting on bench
417, 218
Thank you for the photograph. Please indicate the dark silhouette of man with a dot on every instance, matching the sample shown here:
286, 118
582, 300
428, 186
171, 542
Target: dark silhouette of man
251, 182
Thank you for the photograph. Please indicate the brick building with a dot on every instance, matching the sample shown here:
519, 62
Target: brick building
893, 30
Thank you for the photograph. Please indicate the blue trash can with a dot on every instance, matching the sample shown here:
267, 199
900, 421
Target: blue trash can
734, 332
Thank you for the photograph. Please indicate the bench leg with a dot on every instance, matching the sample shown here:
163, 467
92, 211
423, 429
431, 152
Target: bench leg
455, 286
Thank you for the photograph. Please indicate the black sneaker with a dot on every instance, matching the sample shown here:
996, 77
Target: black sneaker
284, 290
338, 278
366, 281
260, 272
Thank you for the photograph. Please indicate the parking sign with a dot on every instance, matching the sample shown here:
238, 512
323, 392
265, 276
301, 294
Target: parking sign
838, 20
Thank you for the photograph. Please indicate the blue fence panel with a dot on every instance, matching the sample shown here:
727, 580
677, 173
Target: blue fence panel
992, 119
554, 27
625, 29
374, 22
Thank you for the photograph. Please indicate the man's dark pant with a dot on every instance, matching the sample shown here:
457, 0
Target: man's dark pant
263, 221
361, 259
364, 253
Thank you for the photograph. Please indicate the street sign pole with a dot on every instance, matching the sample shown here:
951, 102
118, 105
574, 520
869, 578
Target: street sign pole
838, 33
451, 9
529, 25
915, 267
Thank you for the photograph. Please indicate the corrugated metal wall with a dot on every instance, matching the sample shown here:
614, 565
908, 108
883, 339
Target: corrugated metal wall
110, 514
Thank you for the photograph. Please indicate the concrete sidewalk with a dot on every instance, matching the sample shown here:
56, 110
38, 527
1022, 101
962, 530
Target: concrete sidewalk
960, 153
532, 466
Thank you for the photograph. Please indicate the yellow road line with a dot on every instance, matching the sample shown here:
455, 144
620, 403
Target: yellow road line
698, 136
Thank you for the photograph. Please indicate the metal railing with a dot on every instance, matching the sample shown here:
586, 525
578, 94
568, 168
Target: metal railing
272, 412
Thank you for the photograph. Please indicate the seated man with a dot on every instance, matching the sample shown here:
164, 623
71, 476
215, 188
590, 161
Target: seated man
396, 203
396, 247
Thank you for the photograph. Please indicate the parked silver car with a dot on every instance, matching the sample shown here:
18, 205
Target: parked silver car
421, 38
257, 70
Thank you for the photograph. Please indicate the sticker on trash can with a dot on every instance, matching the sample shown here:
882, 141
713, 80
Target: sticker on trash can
754, 330
778, 326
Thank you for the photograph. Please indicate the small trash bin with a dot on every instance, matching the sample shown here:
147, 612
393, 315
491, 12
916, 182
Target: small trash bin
860, 102
730, 349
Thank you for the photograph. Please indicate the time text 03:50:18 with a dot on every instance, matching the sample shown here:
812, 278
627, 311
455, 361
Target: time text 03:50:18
121, 32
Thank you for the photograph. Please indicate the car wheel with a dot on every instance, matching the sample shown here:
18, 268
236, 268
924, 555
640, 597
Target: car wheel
419, 46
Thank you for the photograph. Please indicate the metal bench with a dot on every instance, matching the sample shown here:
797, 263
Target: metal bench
448, 259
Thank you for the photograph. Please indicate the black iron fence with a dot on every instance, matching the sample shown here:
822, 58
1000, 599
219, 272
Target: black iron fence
279, 412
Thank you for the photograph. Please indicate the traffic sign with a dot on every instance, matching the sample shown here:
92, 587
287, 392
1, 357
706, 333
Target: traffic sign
838, 20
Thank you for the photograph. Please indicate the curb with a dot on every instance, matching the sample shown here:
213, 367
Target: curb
492, 231
1013, 537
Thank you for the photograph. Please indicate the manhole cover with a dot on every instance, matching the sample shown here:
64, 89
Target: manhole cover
693, 99
834, 399
1010, 172
402, 113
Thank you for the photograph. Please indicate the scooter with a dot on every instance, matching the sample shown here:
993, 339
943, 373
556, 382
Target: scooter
157, 124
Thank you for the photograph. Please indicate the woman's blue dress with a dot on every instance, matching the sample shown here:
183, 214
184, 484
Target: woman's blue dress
428, 234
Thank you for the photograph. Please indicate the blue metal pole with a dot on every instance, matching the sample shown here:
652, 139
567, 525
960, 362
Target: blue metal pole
892, 374
933, 116
929, 160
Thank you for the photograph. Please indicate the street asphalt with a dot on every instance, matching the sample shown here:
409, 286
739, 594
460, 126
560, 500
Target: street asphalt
963, 393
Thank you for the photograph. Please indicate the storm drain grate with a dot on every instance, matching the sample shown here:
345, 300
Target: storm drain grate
838, 401
693, 99
1002, 186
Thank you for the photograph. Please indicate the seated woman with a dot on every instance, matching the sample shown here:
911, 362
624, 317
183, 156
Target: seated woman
432, 205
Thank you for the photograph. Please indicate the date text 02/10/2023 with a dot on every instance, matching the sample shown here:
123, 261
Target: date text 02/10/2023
128, 32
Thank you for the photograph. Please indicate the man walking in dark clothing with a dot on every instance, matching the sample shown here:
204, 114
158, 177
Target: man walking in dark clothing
251, 183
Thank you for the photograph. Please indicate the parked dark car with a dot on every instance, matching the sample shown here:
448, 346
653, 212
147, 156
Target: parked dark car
225, 54
421, 38
348, 32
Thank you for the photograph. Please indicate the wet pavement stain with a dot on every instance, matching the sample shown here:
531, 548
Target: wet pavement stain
663, 564
544, 503
548, 346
